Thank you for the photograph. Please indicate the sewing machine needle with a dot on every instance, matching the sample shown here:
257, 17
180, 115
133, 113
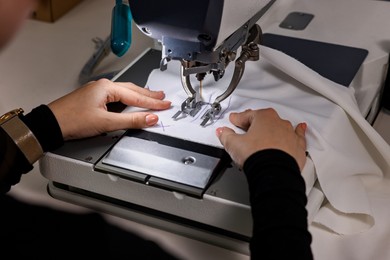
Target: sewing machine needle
200, 89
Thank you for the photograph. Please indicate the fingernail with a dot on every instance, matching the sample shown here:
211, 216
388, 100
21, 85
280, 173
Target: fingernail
151, 120
304, 126
218, 131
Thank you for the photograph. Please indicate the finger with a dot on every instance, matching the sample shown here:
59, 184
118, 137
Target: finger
136, 120
116, 90
141, 90
243, 119
133, 98
223, 134
300, 130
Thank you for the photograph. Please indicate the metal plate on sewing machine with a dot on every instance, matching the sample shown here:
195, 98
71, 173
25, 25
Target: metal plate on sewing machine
163, 161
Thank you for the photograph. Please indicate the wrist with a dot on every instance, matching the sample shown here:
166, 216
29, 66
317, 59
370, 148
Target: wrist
21, 135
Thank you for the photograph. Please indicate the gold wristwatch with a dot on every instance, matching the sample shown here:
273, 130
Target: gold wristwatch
21, 135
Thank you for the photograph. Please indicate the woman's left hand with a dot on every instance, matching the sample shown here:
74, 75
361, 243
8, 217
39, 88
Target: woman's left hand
83, 112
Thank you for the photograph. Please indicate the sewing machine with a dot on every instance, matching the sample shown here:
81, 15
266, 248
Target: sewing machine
205, 43
129, 173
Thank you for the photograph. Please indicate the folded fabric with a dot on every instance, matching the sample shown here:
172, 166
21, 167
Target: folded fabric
342, 144
353, 149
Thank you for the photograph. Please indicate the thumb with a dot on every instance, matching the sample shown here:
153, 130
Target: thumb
223, 133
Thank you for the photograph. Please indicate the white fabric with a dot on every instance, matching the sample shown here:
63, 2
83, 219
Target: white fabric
342, 144
353, 148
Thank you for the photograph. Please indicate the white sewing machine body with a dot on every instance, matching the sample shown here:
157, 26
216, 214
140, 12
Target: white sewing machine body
216, 211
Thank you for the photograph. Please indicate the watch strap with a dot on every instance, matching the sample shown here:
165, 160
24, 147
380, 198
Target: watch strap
23, 138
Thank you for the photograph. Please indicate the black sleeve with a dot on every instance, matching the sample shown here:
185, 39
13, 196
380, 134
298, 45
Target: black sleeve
42, 122
278, 200
30, 231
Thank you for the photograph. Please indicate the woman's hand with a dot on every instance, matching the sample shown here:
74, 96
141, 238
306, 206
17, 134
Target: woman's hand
83, 112
265, 130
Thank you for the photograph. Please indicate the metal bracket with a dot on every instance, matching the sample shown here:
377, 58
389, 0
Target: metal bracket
249, 51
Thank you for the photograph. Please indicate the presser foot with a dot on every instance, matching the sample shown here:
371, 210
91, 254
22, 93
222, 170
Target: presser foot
189, 107
210, 114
